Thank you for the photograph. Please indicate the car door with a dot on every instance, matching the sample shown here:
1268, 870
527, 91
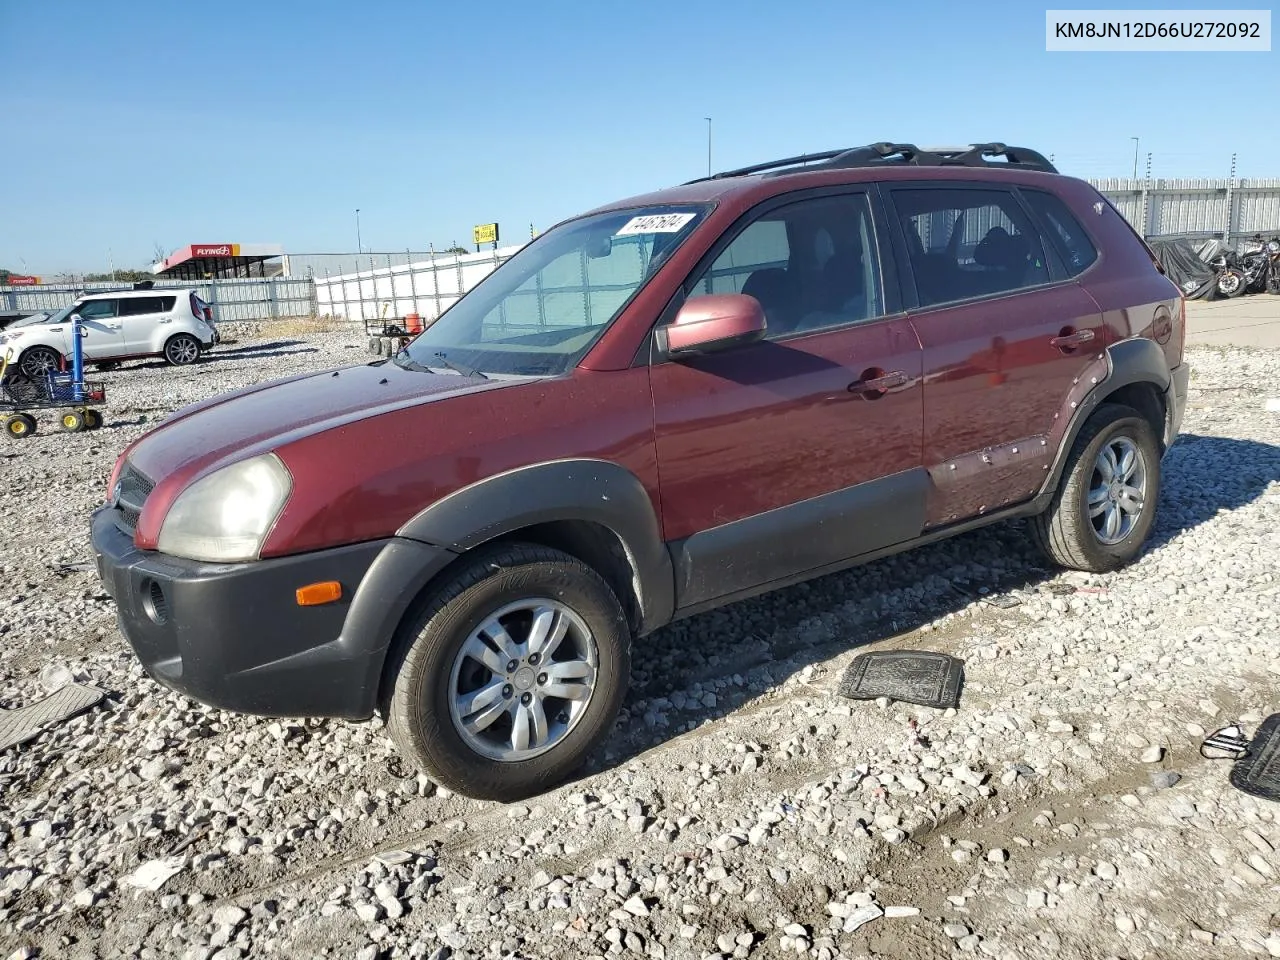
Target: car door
142, 318
100, 329
802, 450
1005, 335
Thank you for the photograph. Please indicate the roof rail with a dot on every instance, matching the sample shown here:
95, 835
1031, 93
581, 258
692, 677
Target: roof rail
898, 154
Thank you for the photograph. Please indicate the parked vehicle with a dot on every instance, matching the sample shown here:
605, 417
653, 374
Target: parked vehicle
653, 409
123, 325
1260, 265
1232, 280
68, 392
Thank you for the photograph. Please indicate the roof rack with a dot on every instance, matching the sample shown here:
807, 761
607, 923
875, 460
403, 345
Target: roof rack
899, 154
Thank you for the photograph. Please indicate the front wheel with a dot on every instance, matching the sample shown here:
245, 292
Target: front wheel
1273, 283
38, 361
511, 674
182, 349
1231, 283
1105, 505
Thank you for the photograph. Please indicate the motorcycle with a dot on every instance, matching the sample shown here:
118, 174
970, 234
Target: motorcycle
1254, 269
1231, 276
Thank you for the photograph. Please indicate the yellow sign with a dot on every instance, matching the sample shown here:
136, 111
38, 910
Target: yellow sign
485, 233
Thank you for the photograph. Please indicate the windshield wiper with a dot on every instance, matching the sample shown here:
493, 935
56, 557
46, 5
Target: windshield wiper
457, 368
405, 362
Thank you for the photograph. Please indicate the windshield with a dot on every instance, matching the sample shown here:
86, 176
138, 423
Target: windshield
543, 309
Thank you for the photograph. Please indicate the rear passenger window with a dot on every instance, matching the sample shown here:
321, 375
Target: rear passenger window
1065, 231
134, 306
811, 264
968, 242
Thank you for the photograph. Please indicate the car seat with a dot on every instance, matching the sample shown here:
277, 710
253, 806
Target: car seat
775, 288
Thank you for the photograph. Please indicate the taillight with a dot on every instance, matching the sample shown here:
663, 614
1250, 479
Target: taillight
1182, 324
195, 307
208, 315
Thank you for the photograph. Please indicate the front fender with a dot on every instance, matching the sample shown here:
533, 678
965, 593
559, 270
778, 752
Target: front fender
596, 491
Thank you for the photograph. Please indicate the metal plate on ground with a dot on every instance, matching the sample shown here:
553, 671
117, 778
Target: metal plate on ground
25, 723
911, 676
1258, 772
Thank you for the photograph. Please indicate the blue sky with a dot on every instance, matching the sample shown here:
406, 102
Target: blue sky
131, 125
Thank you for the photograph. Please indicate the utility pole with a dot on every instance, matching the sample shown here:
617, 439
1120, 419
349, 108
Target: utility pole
1135, 157
708, 119
359, 248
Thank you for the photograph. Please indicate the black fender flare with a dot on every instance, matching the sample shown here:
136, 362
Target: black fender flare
585, 489
1130, 361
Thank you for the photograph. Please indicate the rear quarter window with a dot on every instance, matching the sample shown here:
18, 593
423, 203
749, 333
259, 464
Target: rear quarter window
1063, 231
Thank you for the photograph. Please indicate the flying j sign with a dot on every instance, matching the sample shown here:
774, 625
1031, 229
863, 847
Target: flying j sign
215, 250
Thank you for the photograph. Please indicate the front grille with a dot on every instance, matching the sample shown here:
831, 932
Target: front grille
132, 490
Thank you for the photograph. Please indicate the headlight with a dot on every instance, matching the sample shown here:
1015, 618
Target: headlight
1273, 246
226, 516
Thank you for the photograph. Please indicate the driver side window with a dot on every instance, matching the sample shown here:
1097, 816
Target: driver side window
97, 309
812, 264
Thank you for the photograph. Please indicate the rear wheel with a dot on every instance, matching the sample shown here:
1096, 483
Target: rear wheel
1105, 506
511, 674
92, 419
19, 426
37, 361
73, 421
182, 349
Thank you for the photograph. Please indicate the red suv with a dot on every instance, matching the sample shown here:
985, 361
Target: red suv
662, 406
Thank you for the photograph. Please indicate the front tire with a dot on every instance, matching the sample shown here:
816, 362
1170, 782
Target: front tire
1105, 506
1231, 283
181, 350
510, 675
37, 361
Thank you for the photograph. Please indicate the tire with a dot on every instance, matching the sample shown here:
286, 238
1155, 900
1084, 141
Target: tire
1231, 283
1273, 283
429, 676
92, 419
1065, 532
181, 350
19, 426
37, 361
72, 421
375, 346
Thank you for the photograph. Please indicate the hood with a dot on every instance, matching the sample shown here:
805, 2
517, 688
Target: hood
261, 418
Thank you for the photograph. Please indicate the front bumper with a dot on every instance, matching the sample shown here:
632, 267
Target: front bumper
233, 636
1175, 402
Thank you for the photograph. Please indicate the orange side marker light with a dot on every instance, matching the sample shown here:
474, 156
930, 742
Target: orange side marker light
315, 594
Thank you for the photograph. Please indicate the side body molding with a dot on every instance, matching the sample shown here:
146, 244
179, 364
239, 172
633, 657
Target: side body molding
596, 491
1122, 364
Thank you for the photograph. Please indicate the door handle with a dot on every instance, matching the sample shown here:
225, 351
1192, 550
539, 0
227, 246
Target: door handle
112, 326
1066, 341
878, 383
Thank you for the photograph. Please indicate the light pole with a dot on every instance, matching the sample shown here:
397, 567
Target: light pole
359, 248
708, 119
1135, 157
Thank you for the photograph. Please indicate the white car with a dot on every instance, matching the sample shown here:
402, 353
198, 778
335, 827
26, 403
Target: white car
171, 323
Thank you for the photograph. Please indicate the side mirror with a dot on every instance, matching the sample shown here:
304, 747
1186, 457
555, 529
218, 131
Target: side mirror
714, 322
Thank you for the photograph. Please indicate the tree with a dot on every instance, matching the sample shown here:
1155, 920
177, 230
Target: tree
458, 250
121, 276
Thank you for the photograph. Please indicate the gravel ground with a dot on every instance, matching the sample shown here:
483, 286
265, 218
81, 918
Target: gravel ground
741, 808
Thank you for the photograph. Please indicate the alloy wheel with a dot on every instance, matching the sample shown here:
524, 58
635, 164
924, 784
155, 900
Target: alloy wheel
522, 680
1117, 490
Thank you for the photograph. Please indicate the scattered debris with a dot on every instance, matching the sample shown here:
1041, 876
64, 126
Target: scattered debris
1258, 771
392, 858
1003, 601
66, 569
154, 874
912, 676
26, 723
1226, 743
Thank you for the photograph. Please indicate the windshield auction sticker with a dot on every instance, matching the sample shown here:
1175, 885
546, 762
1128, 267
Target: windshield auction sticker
1135, 31
655, 223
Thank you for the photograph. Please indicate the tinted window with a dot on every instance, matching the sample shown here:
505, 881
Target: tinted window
97, 309
1065, 231
811, 264
968, 242
133, 306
